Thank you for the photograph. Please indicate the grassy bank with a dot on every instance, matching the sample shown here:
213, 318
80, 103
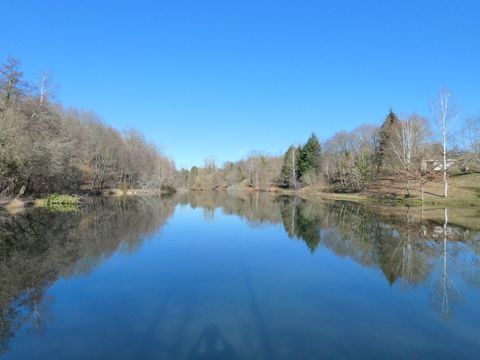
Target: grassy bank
464, 191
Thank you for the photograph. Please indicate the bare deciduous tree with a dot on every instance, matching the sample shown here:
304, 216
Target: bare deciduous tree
444, 113
409, 141
12, 85
289, 173
46, 87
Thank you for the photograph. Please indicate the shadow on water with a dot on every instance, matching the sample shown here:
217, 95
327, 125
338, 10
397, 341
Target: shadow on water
40, 247
212, 345
260, 324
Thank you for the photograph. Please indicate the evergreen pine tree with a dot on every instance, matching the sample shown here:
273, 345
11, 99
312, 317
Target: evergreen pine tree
385, 138
309, 158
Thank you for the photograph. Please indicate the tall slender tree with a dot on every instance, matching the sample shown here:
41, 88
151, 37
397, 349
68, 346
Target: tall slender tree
444, 113
289, 172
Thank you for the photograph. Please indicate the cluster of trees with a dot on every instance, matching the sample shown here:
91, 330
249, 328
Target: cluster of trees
258, 171
353, 160
302, 165
45, 148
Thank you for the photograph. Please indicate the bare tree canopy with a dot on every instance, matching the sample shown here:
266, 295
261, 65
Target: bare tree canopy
409, 145
45, 148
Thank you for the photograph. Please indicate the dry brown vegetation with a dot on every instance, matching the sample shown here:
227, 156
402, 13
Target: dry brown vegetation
45, 148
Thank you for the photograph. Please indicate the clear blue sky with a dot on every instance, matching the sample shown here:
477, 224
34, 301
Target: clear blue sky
221, 78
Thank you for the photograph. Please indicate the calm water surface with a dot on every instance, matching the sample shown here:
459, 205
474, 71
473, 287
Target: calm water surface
214, 276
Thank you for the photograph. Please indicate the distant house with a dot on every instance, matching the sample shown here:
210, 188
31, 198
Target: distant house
436, 165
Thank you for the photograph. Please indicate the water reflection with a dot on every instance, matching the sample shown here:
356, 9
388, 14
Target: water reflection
40, 247
402, 245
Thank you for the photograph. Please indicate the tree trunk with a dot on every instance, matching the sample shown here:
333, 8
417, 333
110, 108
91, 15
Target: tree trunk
445, 181
294, 175
407, 184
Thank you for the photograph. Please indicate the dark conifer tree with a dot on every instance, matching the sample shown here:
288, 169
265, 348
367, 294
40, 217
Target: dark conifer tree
310, 158
385, 138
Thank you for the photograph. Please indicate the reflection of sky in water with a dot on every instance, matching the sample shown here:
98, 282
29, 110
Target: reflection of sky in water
208, 285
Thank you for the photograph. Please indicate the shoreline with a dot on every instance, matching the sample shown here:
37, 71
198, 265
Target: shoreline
17, 204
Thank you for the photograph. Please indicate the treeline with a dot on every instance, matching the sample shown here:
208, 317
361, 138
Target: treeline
411, 149
258, 171
45, 147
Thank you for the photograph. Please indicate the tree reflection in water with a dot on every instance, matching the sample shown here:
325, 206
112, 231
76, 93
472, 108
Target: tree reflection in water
445, 293
406, 249
40, 247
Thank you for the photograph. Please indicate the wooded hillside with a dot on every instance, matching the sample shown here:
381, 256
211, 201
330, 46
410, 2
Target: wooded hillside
45, 147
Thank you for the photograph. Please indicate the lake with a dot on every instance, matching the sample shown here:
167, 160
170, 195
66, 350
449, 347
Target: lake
217, 276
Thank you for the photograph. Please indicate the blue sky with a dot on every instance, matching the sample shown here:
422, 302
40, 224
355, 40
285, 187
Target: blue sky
220, 78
